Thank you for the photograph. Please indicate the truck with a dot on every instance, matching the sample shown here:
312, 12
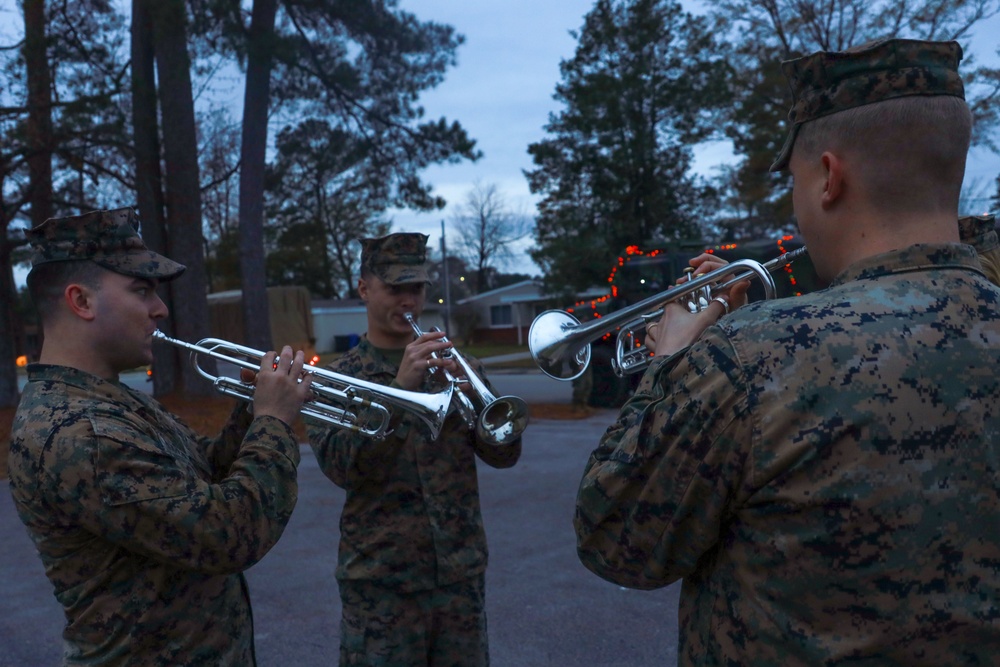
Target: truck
643, 272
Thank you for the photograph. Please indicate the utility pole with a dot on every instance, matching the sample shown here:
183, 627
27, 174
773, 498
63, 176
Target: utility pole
447, 285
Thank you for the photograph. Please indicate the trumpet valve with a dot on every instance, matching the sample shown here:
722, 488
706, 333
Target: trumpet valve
699, 299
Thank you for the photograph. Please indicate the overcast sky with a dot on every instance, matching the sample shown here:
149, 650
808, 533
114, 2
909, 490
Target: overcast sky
501, 91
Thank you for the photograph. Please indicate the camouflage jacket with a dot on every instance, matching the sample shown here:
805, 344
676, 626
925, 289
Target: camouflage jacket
141, 524
411, 517
822, 471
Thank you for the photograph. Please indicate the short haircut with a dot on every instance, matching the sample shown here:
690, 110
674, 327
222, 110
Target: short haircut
46, 283
909, 152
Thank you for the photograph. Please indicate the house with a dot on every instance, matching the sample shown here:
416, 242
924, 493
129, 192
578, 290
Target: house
501, 316
339, 323
505, 314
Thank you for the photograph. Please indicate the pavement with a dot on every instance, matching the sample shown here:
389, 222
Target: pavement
544, 607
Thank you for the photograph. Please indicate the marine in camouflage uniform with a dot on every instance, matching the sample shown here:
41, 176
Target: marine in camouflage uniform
822, 471
412, 553
143, 526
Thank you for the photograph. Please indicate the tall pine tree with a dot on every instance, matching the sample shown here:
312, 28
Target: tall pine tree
639, 91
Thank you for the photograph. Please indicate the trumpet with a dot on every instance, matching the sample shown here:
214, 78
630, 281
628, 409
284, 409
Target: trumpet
497, 421
340, 400
560, 344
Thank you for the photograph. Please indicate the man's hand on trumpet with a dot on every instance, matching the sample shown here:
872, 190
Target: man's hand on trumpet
678, 327
424, 355
704, 263
280, 386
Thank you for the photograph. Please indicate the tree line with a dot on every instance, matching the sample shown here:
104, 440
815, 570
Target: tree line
107, 104
649, 81
102, 108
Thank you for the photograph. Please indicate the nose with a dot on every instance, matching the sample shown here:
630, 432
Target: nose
159, 309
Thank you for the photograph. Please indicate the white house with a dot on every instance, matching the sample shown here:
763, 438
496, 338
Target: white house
502, 315
339, 324
505, 314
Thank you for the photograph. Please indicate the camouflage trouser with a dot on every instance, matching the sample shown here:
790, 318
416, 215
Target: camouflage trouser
444, 627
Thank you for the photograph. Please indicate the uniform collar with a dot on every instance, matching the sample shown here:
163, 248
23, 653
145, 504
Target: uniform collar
912, 258
74, 377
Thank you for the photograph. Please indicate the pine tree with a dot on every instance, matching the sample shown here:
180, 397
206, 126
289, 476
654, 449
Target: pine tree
638, 93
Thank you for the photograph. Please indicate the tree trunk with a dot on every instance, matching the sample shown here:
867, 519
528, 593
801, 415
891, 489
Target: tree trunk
9, 393
39, 158
149, 185
183, 198
39, 132
256, 315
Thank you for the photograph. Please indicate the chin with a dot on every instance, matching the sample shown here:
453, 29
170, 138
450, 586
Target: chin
143, 360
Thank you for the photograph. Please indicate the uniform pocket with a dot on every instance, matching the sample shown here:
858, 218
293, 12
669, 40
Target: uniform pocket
132, 466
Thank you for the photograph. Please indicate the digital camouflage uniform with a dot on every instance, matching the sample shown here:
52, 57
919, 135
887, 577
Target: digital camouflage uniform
825, 83
142, 525
822, 472
412, 541
108, 238
980, 232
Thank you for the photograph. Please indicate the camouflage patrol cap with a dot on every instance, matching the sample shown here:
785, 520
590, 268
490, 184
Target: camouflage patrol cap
397, 259
108, 238
979, 231
830, 81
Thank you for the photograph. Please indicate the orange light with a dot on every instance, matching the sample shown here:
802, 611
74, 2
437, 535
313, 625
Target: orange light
314, 360
22, 361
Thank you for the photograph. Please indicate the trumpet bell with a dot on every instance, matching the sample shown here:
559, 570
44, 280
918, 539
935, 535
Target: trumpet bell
502, 421
557, 355
497, 421
560, 345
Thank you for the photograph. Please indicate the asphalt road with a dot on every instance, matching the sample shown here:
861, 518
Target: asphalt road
544, 608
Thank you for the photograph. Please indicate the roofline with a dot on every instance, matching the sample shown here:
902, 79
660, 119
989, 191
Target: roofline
506, 288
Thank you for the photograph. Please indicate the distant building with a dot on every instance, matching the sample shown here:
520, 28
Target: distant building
502, 316
340, 323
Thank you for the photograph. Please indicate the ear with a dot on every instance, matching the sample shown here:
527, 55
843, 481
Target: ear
833, 186
80, 300
363, 289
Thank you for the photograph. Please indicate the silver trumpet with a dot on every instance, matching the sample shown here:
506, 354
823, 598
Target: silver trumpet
340, 400
497, 421
560, 344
